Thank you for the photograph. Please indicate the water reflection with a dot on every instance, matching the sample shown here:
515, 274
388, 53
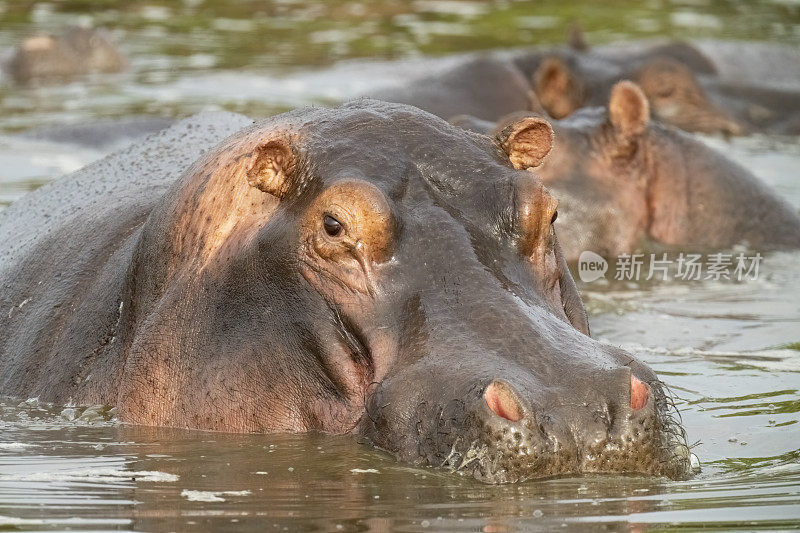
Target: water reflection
91, 472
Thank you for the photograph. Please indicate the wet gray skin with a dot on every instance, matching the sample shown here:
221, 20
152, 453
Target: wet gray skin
758, 109
485, 87
765, 64
367, 270
103, 135
48, 58
625, 182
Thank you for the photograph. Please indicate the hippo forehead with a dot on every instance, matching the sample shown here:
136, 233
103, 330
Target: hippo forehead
384, 141
396, 146
584, 118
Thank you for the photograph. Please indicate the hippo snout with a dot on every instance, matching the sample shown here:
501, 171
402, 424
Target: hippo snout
503, 401
553, 433
511, 428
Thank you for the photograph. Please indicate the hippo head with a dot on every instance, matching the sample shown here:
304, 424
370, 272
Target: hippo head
94, 48
600, 170
76, 50
677, 98
373, 270
566, 83
625, 182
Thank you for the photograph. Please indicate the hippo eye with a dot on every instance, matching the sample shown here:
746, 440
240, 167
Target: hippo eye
665, 92
332, 226
555, 216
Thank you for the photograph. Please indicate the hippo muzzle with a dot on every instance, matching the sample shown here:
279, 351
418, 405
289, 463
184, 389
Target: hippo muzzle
505, 403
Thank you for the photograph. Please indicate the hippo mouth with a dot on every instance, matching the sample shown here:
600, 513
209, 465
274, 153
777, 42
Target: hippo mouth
647, 439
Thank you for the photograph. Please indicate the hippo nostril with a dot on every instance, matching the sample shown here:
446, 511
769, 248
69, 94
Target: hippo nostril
503, 402
639, 394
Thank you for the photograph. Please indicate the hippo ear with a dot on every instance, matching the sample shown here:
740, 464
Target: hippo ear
556, 87
552, 75
272, 167
575, 37
628, 110
527, 142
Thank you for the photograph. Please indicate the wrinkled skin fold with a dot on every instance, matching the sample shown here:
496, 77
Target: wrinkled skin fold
368, 269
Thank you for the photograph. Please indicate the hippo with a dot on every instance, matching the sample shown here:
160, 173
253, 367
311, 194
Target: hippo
625, 183
102, 135
764, 64
485, 87
566, 80
758, 109
74, 51
368, 270
709, 86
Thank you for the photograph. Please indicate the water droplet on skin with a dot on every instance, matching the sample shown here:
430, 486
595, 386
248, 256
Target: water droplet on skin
291, 469
425, 523
537, 513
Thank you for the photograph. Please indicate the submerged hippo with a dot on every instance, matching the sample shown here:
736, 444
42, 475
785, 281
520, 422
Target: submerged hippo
623, 181
72, 52
368, 269
485, 87
765, 64
101, 135
567, 80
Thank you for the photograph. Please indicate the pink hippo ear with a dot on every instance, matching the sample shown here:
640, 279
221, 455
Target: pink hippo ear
628, 110
272, 167
527, 142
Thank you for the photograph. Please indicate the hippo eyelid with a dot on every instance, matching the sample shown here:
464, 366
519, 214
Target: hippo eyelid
332, 227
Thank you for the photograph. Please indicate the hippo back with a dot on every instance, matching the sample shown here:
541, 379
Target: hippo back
74, 238
485, 87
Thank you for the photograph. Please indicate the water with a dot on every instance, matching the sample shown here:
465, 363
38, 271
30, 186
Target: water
730, 351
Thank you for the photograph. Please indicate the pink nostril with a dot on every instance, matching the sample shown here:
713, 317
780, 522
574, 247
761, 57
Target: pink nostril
639, 394
502, 401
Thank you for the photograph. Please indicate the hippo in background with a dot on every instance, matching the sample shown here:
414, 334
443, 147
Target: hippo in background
567, 80
74, 51
688, 85
758, 109
625, 182
485, 87
367, 270
103, 135
765, 64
